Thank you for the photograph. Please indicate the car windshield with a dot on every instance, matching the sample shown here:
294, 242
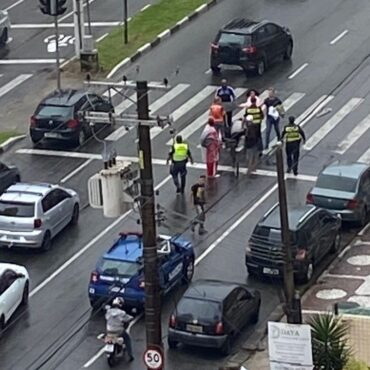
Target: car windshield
122, 268
199, 309
339, 183
234, 38
54, 111
17, 209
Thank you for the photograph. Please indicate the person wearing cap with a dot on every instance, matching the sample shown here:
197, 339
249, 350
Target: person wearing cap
228, 98
179, 155
293, 135
210, 143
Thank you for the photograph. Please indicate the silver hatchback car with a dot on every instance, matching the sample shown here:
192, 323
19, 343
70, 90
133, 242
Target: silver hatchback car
31, 214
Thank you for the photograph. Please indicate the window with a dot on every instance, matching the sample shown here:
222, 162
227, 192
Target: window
7, 279
261, 33
242, 295
121, 268
3, 167
50, 200
51, 111
17, 209
234, 38
199, 309
339, 183
272, 29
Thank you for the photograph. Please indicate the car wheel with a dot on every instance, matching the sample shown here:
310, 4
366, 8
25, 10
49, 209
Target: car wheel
308, 273
215, 70
226, 347
82, 136
288, 51
4, 37
261, 67
25, 294
172, 344
75, 215
251, 273
363, 217
36, 140
17, 179
189, 272
2, 324
46, 242
336, 243
256, 315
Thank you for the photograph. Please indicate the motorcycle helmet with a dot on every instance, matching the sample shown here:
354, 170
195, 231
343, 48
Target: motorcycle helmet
118, 302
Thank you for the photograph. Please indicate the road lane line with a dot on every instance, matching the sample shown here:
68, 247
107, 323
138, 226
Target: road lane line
77, 170
29, 61
293, 99
102, 37
336, 39
64, 25
145, 7
201, 120
365, 158
14, 5
332, 123
14, 83
61, 19
226, 233
297, 71
353, 135
88, 246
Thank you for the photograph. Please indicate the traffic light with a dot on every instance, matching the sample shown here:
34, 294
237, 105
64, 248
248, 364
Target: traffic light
45, 6
61, 8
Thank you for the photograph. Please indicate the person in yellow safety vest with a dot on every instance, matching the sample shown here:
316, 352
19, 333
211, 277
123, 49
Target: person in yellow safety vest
257, 116
293, 135
179, 156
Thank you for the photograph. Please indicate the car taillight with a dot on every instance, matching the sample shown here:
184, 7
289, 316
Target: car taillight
352, 204
172, 321
37, 223
219, 328
309, 198
250, 50
94, 277
142, 284
72, 123
214, 47
33, 121
301, 255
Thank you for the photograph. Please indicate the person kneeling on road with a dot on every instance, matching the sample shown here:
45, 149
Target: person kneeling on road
116, 321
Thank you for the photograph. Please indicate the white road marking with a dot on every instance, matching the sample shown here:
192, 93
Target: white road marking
29, 61
61, 19
14, 5
14, 83
226, 233
201, 120
365, 158
208, 71
102, 37
63, 25
354, 135
145, 7
332, 122
297, 71
292, 100
336, 39
127, 103
76, 171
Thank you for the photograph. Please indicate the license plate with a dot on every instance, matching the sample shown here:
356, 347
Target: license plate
269, 271
109, 348
117, 289
194, 328
52, 135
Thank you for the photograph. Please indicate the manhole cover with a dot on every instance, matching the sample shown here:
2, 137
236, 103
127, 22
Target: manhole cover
361, 260
331, 294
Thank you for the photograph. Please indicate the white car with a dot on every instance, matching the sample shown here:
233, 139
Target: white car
14, 289
4, 27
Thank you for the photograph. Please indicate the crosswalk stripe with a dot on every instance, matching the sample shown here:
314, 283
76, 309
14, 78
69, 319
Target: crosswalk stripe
332, 122
365, 158
127, 103
201, 120
14, 83
354, 135
292, 100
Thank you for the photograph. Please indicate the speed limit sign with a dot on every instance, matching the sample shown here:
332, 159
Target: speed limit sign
153, 358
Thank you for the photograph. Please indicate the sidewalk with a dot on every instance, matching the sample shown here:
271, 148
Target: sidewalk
346, 280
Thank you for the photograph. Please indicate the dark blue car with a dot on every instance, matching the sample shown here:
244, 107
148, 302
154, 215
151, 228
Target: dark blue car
120, 271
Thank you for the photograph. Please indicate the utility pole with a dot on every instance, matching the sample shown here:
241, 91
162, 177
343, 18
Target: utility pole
88, 16
57, 57
152, 291
125, 17
289, 289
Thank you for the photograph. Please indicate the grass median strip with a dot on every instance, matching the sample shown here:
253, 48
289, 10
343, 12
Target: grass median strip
5, 135
143, 28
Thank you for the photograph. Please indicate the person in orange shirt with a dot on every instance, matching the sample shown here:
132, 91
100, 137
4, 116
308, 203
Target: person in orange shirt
217, 112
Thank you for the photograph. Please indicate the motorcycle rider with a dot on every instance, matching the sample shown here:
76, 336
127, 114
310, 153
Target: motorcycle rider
116, 318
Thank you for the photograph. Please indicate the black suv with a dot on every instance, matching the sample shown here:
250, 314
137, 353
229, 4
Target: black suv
250, 45
57, 118
314, 232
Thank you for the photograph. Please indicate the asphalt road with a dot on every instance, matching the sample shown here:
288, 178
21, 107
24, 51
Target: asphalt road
58, 331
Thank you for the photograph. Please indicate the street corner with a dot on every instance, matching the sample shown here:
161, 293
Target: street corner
332, 289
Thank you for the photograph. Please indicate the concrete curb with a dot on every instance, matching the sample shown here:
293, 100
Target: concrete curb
162, 36
10, 142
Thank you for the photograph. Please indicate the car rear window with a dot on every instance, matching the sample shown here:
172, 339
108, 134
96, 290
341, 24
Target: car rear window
197, 309
339, 183
17, 209
54, 111
122, 268
234, 38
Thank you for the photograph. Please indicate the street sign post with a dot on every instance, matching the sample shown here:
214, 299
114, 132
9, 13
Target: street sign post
153, 358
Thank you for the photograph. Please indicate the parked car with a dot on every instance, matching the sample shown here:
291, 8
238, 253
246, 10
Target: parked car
9, 175
57, 116
14, 289
32, 214
211, 313
4, 28
343, 189
120, 271
251, 45
314, 232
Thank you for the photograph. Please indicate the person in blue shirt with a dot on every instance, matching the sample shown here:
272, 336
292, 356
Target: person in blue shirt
228, 97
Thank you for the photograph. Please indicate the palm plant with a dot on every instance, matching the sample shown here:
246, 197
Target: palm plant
330, 347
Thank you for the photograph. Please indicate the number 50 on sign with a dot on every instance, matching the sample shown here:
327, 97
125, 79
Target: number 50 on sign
153, 358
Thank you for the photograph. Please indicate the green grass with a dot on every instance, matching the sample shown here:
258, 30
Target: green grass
4, 136
143, 28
